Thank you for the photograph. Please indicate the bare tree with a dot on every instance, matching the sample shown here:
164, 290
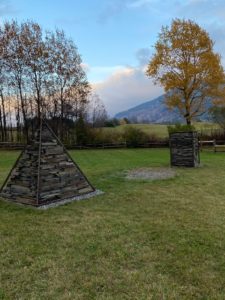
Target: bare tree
65, 66
41, 75
15, 67
35, 58
97, 111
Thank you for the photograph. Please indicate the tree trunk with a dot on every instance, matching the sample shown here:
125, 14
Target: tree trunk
1, 125
3, 117
10, 126
61, 115
188, 121
187, 108
25, 129
38, 100
18, 139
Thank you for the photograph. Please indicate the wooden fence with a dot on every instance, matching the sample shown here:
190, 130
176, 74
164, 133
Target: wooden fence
162, 144
11, 146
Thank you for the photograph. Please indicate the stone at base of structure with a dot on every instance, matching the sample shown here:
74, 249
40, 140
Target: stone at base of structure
59, 202
77, 198
184, 149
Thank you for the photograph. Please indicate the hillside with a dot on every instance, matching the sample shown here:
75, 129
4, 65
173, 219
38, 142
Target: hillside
154, 111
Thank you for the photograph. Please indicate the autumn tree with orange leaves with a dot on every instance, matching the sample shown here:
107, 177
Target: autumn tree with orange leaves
187, 67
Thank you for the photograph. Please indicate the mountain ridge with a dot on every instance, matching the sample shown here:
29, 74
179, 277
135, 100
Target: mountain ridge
155, 111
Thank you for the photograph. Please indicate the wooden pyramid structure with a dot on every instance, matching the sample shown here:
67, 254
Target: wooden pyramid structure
45, 173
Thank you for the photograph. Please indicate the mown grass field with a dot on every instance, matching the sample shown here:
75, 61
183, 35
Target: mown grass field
142, 239
160, 130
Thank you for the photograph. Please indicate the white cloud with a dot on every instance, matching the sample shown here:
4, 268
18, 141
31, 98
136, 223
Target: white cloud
106, 69
126, 88
100, 73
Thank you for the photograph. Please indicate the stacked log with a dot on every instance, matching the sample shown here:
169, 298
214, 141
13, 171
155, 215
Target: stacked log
184, 149
45, 173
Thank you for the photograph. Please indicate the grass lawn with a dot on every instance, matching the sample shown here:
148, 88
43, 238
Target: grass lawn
142, 239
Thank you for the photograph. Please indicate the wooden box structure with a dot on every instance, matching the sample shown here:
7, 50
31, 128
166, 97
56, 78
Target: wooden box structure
184, 149
45, 173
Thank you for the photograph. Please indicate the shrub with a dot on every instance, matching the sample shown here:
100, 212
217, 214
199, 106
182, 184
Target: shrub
134, 136
180, 128
101, 136
218, 116
112, 123
82, 132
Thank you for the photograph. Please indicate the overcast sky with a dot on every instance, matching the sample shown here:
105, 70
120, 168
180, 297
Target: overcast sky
115, 37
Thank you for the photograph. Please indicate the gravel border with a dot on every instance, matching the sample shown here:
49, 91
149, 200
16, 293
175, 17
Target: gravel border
65, 201
150, 173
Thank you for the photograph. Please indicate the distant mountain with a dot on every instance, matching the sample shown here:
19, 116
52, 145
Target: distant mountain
154, 111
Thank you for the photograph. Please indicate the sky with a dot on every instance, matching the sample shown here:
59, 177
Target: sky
116, 38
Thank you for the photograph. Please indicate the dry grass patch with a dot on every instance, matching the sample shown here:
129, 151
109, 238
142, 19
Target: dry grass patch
151, 173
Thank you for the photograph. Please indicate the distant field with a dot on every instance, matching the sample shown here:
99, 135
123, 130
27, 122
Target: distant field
141, 239
160, 130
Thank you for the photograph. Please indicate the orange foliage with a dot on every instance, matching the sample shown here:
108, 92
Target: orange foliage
186, 66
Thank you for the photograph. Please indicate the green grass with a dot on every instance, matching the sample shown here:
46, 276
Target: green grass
154, 129
160, 130
140, 240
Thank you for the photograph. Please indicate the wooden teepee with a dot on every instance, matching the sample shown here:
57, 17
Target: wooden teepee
45, 173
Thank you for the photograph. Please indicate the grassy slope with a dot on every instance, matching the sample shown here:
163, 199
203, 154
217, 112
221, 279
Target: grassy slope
140, 240
161, 130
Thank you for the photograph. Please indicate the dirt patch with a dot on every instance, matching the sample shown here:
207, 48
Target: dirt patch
151, 173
